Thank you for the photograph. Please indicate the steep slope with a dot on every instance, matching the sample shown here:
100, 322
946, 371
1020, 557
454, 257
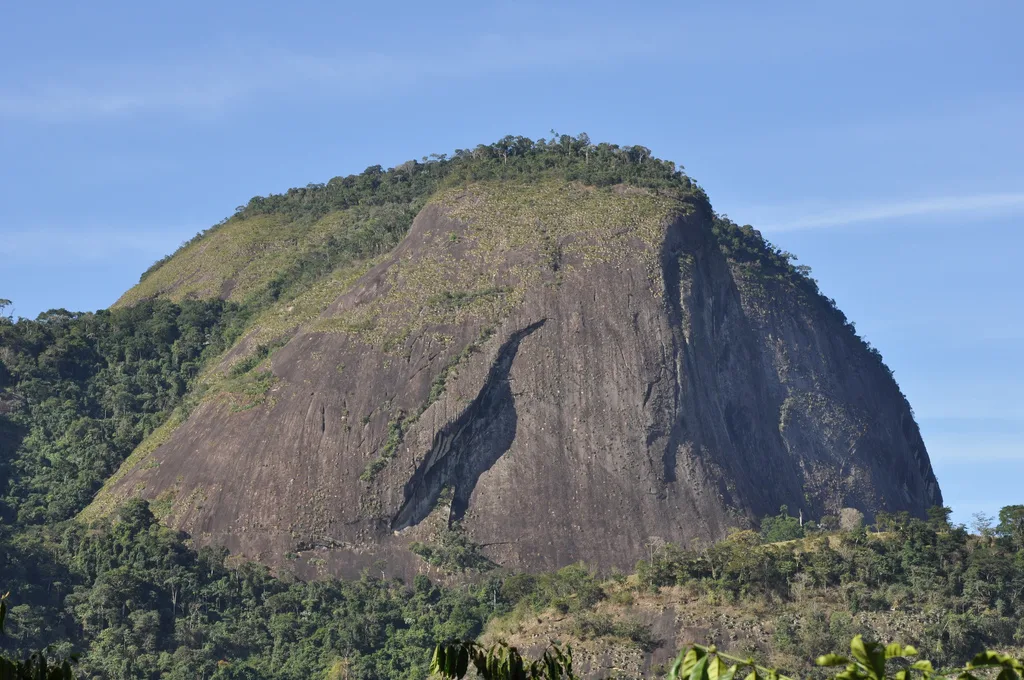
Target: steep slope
253, 258
571, 372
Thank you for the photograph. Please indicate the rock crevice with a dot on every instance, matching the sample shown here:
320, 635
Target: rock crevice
469, 446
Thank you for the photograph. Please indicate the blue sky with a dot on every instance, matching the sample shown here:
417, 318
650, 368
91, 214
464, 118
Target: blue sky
881, 142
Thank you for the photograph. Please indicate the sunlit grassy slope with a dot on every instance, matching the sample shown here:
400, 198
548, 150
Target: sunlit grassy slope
238, 259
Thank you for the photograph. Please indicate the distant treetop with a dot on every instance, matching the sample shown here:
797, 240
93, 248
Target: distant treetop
511, 157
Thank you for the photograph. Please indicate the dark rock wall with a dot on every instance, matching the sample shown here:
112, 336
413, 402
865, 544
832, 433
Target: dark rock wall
607, 410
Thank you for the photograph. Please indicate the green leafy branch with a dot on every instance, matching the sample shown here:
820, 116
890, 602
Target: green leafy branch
867, 661
500, 662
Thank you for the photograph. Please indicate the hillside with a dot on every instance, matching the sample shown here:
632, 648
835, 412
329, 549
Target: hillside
457, 371
138, 600
567, 357
922, 583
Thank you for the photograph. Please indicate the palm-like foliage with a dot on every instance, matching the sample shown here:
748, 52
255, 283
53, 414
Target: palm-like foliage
867, 661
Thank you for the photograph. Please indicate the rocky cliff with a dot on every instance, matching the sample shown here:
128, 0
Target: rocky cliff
567, 372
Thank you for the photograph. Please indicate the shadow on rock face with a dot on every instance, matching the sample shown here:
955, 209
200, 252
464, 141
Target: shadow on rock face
468, 447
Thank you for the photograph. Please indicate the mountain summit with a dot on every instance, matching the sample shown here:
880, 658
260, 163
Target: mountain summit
556, 348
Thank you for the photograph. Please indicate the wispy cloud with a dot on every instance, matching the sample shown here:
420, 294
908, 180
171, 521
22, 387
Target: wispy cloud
195, 87
532, 38
88, 243
63, 102
1011, 202
226, 77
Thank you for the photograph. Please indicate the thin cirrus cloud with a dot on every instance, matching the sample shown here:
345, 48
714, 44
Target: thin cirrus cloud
995, 203
88, 243
210, 85
66, 102
227, 75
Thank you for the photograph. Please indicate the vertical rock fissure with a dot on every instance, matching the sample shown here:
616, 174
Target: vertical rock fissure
671, 255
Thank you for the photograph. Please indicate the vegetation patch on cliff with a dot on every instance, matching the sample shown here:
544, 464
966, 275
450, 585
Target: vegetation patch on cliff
553, 227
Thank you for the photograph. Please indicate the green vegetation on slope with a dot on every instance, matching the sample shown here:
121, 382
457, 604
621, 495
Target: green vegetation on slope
258, 260
78, 392
36, 666
926, 583
285, 257
276, 246
137, 601
555, 222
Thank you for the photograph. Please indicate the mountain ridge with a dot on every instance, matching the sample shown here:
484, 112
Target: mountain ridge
733, 368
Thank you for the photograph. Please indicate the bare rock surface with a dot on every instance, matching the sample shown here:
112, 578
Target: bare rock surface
571, 373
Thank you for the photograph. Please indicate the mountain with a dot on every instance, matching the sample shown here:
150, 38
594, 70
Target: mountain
557, 350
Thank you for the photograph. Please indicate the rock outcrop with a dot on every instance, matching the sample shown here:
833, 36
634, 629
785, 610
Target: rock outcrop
570, 373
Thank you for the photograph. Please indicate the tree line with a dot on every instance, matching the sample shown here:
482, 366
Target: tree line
135, 600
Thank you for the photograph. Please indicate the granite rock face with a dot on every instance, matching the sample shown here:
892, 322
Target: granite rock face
570, 373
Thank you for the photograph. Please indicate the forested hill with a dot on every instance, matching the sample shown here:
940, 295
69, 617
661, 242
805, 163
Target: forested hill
96, 410
277, 246
79, 391
370, 398
140, 603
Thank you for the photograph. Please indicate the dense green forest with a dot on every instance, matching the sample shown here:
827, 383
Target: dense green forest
139, 602
79, 391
